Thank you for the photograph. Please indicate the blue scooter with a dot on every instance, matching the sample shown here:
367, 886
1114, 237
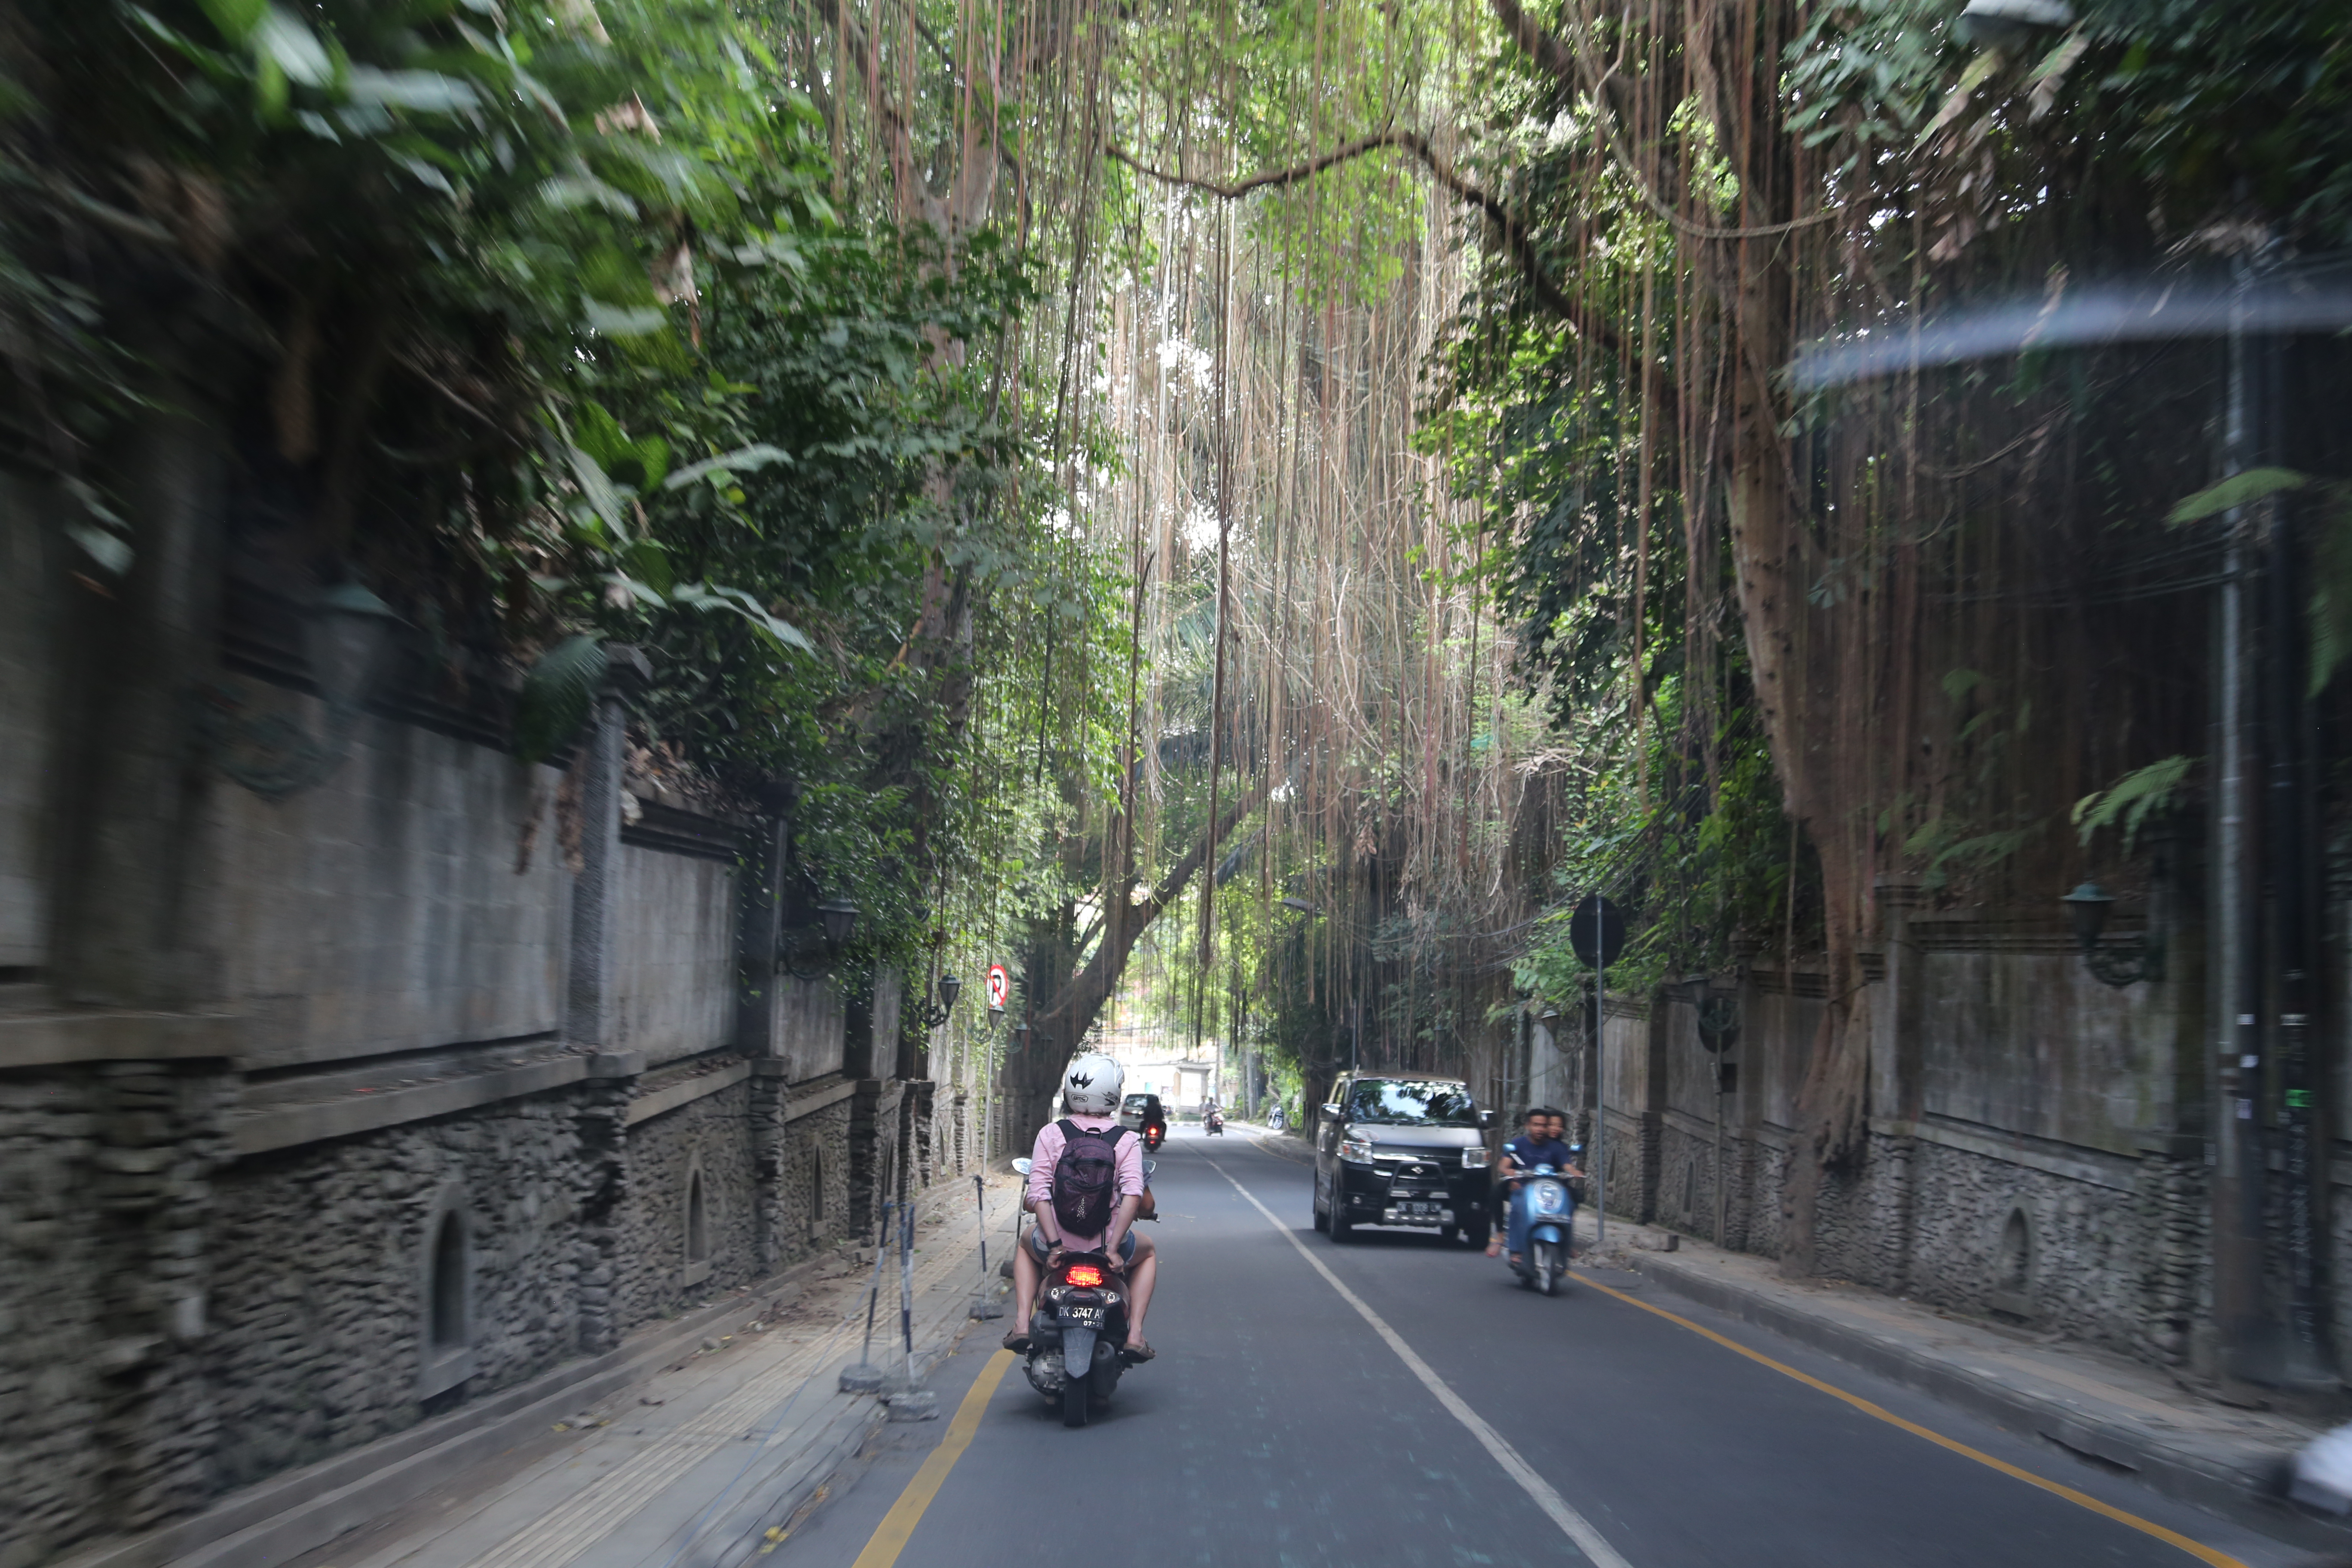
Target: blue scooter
1549, 1208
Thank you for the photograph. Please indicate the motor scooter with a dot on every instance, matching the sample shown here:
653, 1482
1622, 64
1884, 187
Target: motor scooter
1215, 1124
1550, 1208
1078, 1331
1155, 1133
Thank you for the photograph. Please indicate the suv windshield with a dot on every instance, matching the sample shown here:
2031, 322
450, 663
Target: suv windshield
1436, 1102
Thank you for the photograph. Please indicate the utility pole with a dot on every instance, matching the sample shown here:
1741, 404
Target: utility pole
2238, 1176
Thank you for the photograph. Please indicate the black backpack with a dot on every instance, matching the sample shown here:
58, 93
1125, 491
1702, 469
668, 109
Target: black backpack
1085, 1179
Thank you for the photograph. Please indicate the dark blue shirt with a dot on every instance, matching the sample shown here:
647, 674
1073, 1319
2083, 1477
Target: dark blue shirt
1527, 1153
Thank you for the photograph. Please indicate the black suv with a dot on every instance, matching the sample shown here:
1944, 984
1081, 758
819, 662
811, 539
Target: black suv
1401, 1150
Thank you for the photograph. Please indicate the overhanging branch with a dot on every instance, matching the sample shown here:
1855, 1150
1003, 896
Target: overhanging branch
1518, 240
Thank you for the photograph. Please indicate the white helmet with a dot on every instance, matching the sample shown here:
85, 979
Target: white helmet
1091, 1084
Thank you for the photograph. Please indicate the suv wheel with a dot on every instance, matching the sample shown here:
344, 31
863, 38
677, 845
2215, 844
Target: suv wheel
1342, 1227
1322, 1215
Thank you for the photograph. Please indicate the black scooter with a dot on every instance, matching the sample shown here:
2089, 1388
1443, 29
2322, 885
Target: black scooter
1077, 1331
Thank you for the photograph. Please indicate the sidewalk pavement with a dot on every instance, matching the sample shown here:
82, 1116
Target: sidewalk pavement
711, 1461
2102, 1408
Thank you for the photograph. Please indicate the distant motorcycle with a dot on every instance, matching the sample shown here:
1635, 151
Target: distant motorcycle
1216, 1122
1155, 1133
1542, 1196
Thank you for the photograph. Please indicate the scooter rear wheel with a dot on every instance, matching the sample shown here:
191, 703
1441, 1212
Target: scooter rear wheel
1076, 1401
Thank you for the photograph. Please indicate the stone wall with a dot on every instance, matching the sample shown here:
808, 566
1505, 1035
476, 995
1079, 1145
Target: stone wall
313, 1356
710, 1139
2075, 1206
417, 897
675, 939
106, 1200
807, 1203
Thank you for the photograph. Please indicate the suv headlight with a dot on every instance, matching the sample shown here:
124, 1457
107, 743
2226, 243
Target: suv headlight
1357, 1149
1473, 1158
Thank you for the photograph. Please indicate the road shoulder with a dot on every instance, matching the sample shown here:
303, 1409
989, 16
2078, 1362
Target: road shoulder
2111, 1412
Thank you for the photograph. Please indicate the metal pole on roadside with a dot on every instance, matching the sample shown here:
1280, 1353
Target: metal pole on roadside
906, 1287
908, 1402
1596, 929
983, 1301
1601, 1097
864, 1377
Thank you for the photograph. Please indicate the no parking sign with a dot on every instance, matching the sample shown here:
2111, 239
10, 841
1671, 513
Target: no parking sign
1000, 987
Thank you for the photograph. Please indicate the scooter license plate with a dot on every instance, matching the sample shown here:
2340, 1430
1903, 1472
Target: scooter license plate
1084, 1317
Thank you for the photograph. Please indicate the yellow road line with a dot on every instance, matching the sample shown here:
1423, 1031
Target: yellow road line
897, 1526
2202, 1552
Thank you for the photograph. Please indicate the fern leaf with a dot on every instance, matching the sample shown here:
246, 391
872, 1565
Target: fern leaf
556, 695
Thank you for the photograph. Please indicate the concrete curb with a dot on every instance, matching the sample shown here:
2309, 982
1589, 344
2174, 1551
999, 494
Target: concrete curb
2251, 1491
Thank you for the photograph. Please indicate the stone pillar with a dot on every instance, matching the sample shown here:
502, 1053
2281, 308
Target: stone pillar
1651, 1106
1897, 1058
874, 1173
1741, 1106
771, 1164
603, 1181
922, 1154
160, 1137
758, 988
132, 776
589, 1017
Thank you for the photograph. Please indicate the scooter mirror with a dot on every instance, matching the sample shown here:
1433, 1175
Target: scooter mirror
1149, 1167
1022, 1165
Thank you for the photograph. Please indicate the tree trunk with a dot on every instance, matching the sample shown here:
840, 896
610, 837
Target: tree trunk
1057, 1030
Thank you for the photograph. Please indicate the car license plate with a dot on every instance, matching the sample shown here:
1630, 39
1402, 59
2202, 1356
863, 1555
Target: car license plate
1084, 1317
1419, 1211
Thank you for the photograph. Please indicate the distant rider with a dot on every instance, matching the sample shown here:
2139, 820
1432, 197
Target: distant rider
1090, 1093
1541, 1144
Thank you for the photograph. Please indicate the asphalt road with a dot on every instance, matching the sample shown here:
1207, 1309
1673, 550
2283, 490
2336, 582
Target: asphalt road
1279, 1427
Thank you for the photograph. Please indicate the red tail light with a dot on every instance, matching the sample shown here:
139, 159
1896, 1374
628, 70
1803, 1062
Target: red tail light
1084, 1274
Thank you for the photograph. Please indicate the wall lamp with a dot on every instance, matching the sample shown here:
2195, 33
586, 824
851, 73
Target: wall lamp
839, 917
348, 638
2087, 907
936, 1013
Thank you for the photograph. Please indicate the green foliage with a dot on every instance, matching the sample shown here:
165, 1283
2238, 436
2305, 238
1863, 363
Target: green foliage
556, 696
2132, 799
543, 310
2237, 490
1864, 75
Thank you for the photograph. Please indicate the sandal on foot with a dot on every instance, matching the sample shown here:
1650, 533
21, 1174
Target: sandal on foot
1494, 1249
1016, 1342
1137, 1352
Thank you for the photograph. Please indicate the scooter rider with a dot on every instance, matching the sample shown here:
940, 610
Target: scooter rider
1090, 1093
1541, 1144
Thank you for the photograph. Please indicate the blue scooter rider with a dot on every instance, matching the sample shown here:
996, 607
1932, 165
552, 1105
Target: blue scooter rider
1541, 1144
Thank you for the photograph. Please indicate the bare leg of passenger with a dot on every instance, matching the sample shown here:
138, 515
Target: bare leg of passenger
1025, 1280
1142, 1274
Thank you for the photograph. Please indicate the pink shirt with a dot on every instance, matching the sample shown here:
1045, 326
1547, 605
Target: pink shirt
1046, 1154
